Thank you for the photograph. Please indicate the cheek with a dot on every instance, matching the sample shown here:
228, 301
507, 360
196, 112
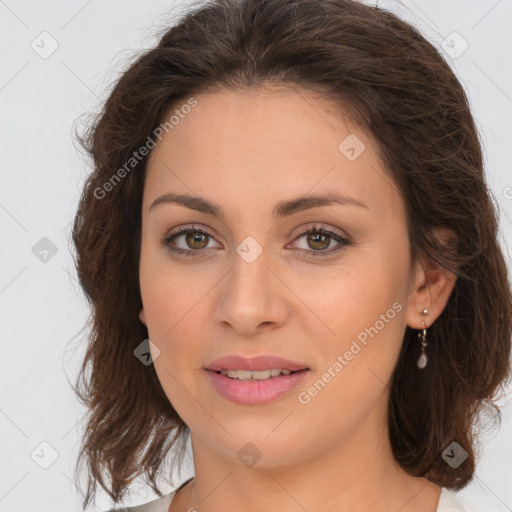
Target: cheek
168, 295
358, 361
176, 313
174, 328
365, 313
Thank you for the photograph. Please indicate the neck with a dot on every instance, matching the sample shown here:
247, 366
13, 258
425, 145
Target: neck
359, 474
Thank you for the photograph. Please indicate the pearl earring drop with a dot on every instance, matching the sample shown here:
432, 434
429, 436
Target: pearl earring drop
423, 360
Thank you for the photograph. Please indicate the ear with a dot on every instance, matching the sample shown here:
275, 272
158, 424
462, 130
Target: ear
142, 316
431, 287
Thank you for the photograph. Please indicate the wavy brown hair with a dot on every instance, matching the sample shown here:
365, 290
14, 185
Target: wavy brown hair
393, 83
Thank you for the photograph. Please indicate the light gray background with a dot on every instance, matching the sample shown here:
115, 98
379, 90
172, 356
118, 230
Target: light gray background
42, 306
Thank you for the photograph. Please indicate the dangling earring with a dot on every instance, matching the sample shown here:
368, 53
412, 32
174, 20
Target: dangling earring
423, 360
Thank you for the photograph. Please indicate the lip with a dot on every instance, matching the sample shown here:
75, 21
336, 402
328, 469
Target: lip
261, 362
254, 392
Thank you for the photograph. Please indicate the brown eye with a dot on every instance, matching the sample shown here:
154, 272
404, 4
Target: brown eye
196, 241
319, 239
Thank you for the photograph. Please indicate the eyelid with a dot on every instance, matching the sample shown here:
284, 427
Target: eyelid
183, 229
342, 240
314, 226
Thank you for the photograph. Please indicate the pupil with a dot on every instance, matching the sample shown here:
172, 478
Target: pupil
195, 238
314, 239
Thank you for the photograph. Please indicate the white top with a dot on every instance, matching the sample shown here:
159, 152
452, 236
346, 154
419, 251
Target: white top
447, 503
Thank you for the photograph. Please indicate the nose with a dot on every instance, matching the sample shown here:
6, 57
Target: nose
252, 297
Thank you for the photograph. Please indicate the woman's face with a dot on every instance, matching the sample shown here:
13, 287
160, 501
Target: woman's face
257, 281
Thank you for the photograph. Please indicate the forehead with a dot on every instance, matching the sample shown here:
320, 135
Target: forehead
287, 118
261, 143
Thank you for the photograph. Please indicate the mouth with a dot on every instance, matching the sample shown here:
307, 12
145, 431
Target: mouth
259, 375
256, 380
255, 367
260, 387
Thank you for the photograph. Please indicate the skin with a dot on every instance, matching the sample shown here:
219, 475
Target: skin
246, 151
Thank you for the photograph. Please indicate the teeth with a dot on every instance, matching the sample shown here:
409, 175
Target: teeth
257, 375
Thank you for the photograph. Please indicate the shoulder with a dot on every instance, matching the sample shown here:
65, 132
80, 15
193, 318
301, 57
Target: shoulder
159, 505
448, 502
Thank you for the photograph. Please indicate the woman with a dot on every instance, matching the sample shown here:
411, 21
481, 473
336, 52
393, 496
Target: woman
283, 262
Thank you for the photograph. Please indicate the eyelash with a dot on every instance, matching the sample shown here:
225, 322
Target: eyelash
166, 240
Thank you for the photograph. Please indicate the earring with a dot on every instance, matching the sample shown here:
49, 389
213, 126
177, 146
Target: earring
423, 360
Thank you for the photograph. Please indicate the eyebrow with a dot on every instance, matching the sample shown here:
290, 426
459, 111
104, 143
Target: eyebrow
280, 210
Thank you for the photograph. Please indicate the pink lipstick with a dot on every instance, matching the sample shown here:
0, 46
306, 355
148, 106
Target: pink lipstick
274, 377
